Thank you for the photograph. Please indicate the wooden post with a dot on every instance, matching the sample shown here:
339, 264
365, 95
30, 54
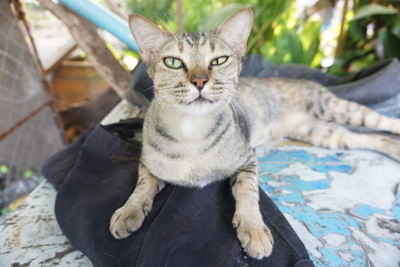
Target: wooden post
179, 16
117, 7
341, 36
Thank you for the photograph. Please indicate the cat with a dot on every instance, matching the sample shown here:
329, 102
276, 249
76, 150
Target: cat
205, 122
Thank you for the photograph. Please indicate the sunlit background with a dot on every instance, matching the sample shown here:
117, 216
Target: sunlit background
339, 36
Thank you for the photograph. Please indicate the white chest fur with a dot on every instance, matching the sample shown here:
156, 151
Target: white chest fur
191, 127
193, 163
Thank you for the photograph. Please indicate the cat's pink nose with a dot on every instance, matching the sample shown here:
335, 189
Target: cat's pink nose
199, 80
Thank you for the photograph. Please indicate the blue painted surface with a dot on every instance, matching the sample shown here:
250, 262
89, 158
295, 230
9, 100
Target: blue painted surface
394, 113
280, 159
287, 191
365, 211
103, 18
396, 208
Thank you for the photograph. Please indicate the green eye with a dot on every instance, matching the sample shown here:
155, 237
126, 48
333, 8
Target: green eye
219, 60
173, 62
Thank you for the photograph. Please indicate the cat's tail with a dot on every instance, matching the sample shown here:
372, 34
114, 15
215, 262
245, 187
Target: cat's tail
328, 107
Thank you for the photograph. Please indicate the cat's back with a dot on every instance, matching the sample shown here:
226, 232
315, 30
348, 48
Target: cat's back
278, 87
265, 102
278, 94
266, 99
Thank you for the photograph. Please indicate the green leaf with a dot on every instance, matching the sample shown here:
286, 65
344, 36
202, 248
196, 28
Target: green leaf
356, 30
390, 42
373, 10
396, 30
28, 174
4, 169
131, 53
113, 50
215, 19
291, 43
268, 50
310, 40
4, 211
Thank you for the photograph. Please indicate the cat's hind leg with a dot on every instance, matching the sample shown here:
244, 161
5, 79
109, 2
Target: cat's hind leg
130, 216
331, 108
254, 236
331, 135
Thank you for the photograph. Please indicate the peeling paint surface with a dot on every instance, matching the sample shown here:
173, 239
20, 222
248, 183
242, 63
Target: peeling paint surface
342, 204
30, 236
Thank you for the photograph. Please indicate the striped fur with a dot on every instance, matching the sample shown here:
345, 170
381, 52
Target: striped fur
129, 217
308, 112
193, 143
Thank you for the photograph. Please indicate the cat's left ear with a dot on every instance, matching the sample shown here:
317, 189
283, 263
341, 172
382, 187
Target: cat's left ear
236, 29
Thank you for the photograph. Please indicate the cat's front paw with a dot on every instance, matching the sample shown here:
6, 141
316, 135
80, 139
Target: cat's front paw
127, 220
255, 237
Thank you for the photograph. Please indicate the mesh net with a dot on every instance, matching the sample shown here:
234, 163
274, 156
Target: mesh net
28, 134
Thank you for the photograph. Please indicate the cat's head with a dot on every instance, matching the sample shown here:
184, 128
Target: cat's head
194, 72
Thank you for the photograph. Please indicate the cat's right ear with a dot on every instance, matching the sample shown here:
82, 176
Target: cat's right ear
147, 35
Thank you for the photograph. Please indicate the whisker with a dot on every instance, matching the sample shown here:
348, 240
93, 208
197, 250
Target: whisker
172, 87
237, 104
168, 99
148, 89
235, 92
225, 82
234, 110
232, 95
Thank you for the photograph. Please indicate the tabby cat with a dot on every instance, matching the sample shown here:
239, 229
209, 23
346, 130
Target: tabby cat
205, 122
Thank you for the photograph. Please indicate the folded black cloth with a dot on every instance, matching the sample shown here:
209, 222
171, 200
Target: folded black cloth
186, 226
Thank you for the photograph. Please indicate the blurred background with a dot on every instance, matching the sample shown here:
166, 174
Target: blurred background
339, 36
64, 67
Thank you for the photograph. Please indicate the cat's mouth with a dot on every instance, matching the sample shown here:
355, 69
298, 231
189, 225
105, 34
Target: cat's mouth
200, 100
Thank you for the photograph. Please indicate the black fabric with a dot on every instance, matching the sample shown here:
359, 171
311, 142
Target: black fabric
186, 226
369, 86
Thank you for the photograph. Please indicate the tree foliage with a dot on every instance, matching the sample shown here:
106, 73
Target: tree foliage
371, 32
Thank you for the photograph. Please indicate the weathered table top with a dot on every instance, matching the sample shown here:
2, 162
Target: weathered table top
344, 205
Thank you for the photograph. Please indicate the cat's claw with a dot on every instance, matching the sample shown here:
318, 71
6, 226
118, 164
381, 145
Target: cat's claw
255, 238
127, 220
